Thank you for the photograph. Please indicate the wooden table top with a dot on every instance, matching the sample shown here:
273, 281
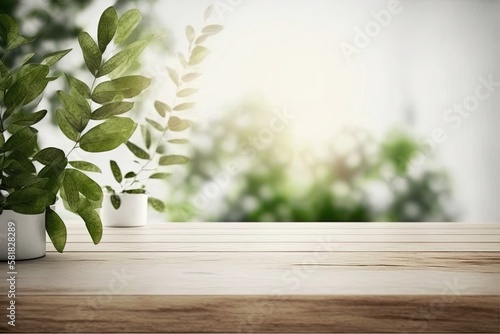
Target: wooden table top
265, 277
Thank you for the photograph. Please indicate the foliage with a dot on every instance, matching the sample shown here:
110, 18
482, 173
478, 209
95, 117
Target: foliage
353, 177
166, 127
49, 21
27, 189
55, 24
51, 25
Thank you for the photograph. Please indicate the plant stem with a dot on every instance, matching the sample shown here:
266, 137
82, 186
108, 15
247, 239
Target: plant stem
1, 119
74, 147
165, 131
4, 55
80, 135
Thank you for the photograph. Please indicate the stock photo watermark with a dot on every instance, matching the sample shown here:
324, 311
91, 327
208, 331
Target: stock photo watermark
292, 279
223, 7
11, 273
453, 119
363, 37
424, 315
248, 150
120, 280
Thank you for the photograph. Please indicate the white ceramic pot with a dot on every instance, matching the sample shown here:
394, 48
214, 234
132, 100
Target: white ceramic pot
133, 211
29, 235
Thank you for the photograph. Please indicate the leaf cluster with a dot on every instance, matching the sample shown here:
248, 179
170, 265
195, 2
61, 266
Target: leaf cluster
32, 178
167, 119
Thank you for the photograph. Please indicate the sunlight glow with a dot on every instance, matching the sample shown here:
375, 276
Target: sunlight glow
303, 71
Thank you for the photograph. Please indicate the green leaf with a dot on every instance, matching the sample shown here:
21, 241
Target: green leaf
212, 29
22, 119
23, 140
27, 69
85, 166
110, 189
30, 200
112, 109
76, 109
184, 106
18, 163
186, 92
66, 127
9, 29
27, 119
208, 31
162, 108
120, 62
130, 175
182, 59
84, 184
9, 32
156, 204
115, 201
136, 48
5, 84
108, 135
115, 169
20, 40
56, 229
91, 53
126, 25
51, 58
23, 180
28, 87
92, 220
4, 71
201, 39
160, 176
173, 75
160, 149
208, 12
198, 55
27, 58
173, 160
93, 204
178, 141
177, 124
190, 33
69, 192
113, 63
78, 85
190, 77
106, 28
49, 155
118, 89
137, 151
146, 135
135, 191
155, 124
54, 173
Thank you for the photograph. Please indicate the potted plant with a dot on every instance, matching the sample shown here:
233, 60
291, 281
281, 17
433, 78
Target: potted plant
128, 206
32, 178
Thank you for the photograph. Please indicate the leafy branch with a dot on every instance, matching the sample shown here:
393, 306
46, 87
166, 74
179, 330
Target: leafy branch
23, 189
168, 119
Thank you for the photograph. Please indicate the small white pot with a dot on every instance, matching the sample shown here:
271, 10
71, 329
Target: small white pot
133, 211
29, 235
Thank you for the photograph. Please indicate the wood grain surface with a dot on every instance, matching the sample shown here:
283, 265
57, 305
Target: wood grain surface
238, 314
265, 278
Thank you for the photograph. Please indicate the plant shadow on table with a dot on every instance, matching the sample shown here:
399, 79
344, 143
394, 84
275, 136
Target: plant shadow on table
240, 173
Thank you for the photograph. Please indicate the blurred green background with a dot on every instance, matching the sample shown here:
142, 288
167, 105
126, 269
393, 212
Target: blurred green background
246, 166
353, 178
